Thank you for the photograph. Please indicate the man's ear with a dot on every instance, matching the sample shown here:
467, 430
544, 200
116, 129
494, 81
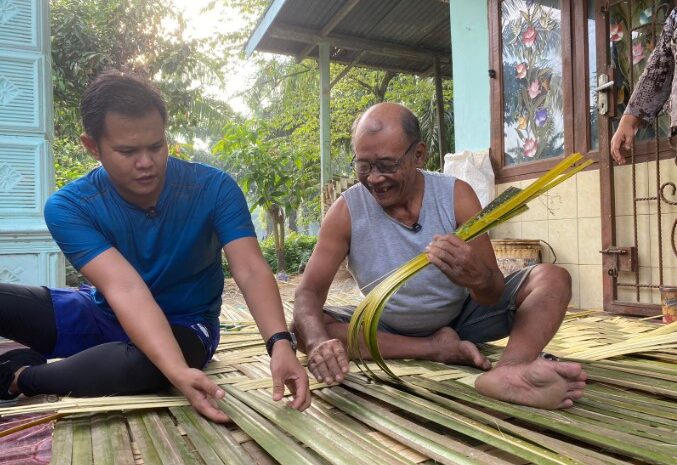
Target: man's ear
420, 154
90, 144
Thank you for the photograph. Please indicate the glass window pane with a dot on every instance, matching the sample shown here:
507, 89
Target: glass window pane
619, 44
642, 12
630, 49
592, 76
532, 80
663, 8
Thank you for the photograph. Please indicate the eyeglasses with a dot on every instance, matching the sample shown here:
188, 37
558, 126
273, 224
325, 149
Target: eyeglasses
364, 167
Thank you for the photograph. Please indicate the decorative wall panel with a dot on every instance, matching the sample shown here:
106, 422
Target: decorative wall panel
18, 24
22, 172
22, 96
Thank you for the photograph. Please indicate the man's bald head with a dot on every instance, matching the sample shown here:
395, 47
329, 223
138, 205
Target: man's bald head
387, 115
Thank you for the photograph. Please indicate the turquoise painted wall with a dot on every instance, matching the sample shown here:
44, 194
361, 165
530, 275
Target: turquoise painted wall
470, 52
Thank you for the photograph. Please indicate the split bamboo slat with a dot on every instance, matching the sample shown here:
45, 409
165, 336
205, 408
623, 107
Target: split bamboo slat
628, 414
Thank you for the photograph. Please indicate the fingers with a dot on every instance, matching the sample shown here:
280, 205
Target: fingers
201, 396
328, 362
278, 388
620, 138
207, 409
206, 385
301, 393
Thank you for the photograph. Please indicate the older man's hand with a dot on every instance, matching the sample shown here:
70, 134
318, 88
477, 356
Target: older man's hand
455, 258
328, 361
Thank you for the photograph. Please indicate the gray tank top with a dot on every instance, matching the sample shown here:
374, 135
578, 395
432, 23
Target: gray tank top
380, 244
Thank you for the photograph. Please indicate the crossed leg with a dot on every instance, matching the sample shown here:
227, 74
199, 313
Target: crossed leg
522, 377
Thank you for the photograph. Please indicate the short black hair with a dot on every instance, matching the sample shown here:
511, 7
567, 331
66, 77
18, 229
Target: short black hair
116, 92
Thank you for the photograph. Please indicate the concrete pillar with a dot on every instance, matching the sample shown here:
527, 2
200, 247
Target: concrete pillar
470, 50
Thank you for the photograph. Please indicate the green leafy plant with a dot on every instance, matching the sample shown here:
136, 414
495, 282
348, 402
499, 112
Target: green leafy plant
297, 251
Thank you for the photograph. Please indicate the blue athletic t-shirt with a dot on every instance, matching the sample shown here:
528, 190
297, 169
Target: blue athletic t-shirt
177, 250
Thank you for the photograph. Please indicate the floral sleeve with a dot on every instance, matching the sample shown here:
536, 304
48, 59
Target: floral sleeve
655, 83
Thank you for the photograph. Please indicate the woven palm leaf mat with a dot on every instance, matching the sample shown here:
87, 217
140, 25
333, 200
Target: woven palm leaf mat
628, 413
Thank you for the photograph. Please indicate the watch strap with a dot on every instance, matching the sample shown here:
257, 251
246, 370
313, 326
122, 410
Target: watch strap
279, 336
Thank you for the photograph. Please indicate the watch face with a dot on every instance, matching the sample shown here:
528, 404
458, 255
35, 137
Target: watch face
293, 340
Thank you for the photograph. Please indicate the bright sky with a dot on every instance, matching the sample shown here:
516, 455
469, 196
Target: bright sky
201, 25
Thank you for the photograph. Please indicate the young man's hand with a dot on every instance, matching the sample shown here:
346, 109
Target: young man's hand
200, 392
328, 361
287, 371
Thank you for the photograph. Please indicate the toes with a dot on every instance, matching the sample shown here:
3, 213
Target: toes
566, 403
483, 363
473, 354
577, 386
570, 370
575, 394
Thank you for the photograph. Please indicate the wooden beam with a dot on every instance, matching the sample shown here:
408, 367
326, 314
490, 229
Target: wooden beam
363, 64
309, 36
331, 24
439, 97
345, 70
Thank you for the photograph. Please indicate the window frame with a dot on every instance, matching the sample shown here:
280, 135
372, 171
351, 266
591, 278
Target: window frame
530, 169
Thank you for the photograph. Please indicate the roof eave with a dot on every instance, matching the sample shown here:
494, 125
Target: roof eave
263, 26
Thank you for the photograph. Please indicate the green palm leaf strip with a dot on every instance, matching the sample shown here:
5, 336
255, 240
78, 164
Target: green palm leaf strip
281, 447
597, 433
456, 421
364, 322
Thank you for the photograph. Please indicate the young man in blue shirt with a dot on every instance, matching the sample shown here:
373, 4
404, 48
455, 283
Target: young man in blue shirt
147, 231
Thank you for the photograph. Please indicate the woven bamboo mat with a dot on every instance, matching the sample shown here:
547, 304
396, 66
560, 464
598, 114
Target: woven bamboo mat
628, 414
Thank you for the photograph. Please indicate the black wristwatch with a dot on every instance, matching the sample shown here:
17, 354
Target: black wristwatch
281, 335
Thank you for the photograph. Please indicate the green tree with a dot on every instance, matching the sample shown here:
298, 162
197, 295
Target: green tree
141, 36
285, 94
273, 175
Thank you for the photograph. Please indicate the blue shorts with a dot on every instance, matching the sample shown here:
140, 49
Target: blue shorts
81, 324
476, 323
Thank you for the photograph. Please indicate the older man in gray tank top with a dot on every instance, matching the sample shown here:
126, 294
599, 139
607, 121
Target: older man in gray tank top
395, 212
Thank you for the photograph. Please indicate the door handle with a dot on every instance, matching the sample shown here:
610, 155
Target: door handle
605, 86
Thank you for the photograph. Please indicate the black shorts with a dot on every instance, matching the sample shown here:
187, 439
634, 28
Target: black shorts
476, 322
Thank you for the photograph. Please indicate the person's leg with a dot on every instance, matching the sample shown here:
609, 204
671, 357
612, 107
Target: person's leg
27, 316
113, 368
442, 346
521, 376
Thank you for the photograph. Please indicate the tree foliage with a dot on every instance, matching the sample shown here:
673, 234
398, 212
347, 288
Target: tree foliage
145, 37
273, 150
274, 175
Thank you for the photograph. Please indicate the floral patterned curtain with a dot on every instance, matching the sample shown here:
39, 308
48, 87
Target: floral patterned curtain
532, 80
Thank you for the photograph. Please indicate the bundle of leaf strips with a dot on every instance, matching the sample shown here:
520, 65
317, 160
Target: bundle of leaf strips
364, 322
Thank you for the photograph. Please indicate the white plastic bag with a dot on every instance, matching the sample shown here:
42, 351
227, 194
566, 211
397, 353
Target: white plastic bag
475, 169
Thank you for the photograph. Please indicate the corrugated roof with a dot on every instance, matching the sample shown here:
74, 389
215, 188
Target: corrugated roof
398, 35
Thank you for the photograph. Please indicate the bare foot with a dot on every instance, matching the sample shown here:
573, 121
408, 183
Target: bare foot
449, 348
541, 383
